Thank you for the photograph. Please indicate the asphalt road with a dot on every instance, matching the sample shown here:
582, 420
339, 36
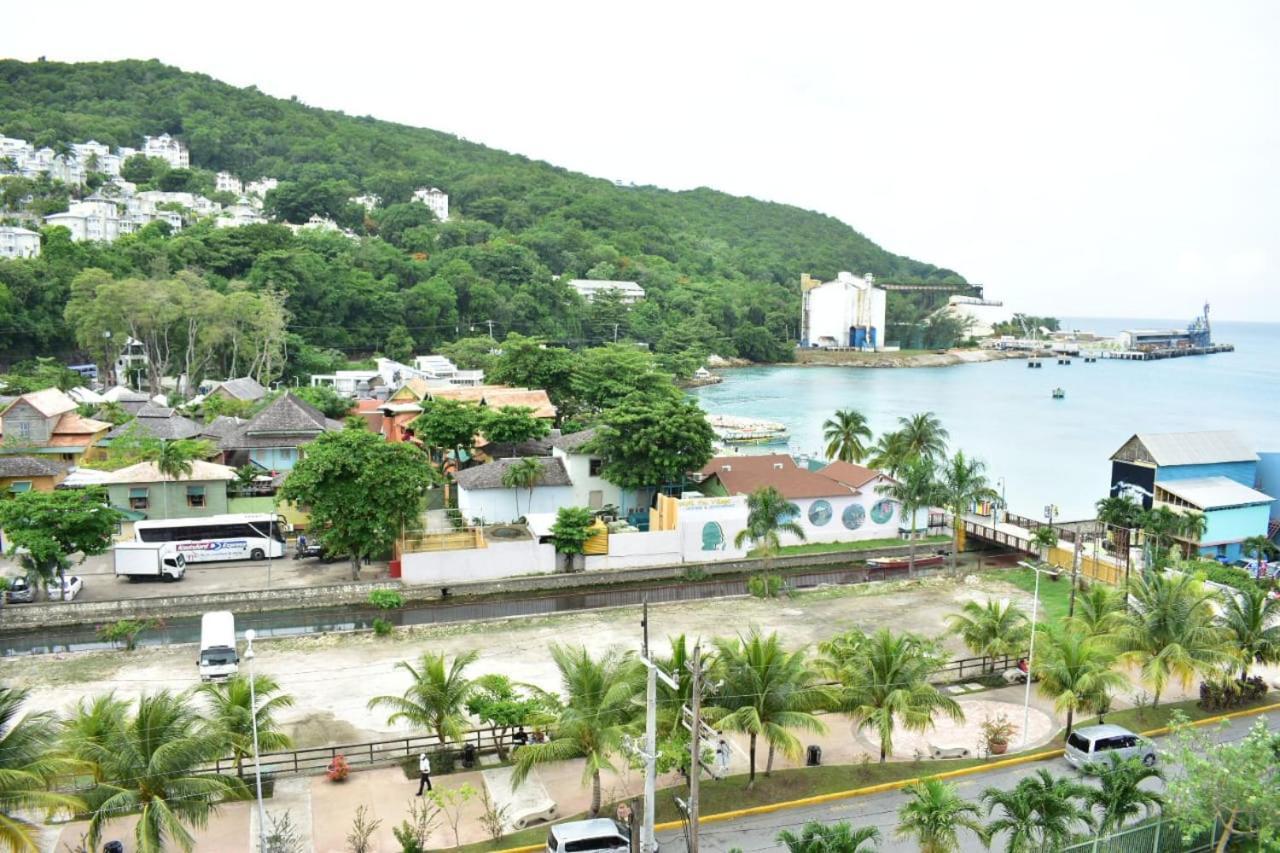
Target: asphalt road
759, 833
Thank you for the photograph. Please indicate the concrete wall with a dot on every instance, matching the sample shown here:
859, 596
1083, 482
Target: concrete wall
1231, 526
578, 466
499, 560
496, 506
633, 550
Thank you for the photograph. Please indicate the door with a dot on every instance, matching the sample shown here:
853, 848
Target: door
595, 499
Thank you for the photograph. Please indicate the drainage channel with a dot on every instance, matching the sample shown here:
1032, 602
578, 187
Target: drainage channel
319, 620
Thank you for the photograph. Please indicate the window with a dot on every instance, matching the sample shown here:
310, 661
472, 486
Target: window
195, 497
595, 467
20, 486
1078, 741
24, 429
139, 499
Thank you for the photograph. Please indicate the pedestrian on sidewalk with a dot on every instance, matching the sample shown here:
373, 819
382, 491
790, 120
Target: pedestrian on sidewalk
424, 773
722, 756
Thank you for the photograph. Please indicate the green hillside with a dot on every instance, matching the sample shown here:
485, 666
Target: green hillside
721, 271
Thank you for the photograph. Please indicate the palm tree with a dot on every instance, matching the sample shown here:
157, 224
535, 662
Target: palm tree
839, 837
27, 770
1252, 621
174, 460
914, 490
991, 630
1191, 528
885, 679
1118, 511
150, 763
437, 698
230, 710
522, 474
890, 453
766, 690
923, 435
1120, 796
672, 701
1099, 612
1170, 630
964, 481
1160, 525
768, 515
599, 709
1041, 813
935, 814
844, 433
1044, 538
1075, 670
1259, 546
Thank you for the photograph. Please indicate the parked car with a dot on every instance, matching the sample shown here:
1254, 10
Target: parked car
1095, 743
587, 836
71, 586
20, 591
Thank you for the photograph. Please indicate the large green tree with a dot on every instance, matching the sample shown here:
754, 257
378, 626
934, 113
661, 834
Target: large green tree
650, 440
52, 527
1075, 670
449, 425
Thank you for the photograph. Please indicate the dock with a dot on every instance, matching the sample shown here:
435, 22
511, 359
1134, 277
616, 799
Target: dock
1168, 352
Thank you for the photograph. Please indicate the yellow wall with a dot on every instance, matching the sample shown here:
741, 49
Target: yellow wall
38, 484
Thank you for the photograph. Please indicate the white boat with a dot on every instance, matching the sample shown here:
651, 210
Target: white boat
736, 430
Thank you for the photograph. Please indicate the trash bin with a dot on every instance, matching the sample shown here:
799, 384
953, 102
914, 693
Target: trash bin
813, 757
113, 847
469, 755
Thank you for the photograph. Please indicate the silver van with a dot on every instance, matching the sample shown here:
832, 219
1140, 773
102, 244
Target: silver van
1096, 743
587, 836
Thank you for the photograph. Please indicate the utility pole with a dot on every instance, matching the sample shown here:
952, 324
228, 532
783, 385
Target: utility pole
490, 322
1075, 576
615, 333
695, 752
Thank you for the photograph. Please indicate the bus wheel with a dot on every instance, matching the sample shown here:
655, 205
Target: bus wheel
257, 554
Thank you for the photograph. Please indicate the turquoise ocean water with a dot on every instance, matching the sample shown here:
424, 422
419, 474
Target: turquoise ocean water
1048, 451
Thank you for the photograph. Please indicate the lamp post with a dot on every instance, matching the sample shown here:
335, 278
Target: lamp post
1031, 651
257, 764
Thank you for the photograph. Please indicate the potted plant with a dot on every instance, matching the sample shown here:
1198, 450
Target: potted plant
338, 768
997, 730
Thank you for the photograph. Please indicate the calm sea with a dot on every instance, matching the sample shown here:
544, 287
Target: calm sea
1048, 451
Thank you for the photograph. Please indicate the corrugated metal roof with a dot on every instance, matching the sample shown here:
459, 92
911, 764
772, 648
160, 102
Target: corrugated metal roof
1196, 448
1214, 492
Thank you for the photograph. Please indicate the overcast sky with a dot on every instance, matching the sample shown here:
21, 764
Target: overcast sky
1096, 159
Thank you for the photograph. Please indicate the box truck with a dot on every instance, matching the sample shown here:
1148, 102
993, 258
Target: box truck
218, 657
161, 560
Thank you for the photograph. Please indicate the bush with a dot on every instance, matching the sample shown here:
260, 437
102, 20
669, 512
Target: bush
1223, 694
126, 631
382, 628
765, 586
1232, 576
386, 599
443, 761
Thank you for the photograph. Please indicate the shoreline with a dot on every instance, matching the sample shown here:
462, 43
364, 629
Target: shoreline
885, 360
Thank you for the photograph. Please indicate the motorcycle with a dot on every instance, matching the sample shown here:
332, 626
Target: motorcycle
307, 551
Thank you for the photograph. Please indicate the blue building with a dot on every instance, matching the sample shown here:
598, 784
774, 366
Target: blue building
271, 440
1214, 473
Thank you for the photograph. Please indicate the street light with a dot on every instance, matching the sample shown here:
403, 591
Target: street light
257, 764
1031, 651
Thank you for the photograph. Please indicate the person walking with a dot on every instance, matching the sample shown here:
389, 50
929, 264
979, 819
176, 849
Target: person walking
424, 773
723, 755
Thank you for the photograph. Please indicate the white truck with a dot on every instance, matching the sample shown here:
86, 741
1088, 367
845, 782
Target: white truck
161, 560
218, 659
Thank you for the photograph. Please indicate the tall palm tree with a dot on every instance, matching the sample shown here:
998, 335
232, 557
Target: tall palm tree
885, 679
890, 453
964, 481
231, 711
1160, 525
1099, 612
437, 698
845, 432
924, 435
1045, 538
27, 770
1041, 812
935, 814
840, 837
148, 761
1075, 671
1252, 621
915, 489
1118, 511
174, 460
1120, 796
599, 709
1259, 546
1170, 630
1191, 529
766, 690
522, 474
992, 629
768, 515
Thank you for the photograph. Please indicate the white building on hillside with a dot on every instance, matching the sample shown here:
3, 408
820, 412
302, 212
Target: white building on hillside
261, 187
168, 149
368, 201
18, 243
435, 199
225, 182
236, 215
983, 314
92, 220
628, 291
846, 312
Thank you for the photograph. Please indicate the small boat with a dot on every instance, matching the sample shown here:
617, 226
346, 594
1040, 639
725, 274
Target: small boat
1058, 393
903, 562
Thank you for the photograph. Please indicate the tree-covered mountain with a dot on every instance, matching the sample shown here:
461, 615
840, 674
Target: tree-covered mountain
721, 272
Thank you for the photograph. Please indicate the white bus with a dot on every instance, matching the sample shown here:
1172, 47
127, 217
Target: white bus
245, 536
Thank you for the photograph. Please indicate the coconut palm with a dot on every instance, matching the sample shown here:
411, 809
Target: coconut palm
766, 690
437, 698
1160, 525
27, 770
915, 489
923, 435
840, 837
174, 460
964, 481
671, 701
1099, 611
148, 760
1119, 511
599, 709
1252, 622
1045, 539
1041, 812
1075, 671
768, 515
934, 816
993, 629
890, 453
1120, 796
884, 680
1259, 546
522, 474
1170, 630
231, 711
845, 432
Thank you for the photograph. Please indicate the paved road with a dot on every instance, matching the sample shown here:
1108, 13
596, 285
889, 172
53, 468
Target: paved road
760, 833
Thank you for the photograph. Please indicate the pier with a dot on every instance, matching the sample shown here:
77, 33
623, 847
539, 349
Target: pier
1169, 352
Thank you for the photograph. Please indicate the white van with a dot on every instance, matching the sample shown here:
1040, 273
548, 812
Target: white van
135, 560
600, 835
218, 659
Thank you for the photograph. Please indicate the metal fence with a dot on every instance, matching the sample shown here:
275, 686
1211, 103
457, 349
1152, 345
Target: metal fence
1161, 836
991, 534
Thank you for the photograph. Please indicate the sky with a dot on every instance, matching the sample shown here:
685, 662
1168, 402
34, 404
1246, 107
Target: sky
1084, 159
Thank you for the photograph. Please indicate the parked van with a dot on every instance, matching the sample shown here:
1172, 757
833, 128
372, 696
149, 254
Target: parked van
218, 659
1097, 743
587, 836
161, 560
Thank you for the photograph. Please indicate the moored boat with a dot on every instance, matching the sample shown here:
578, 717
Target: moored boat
903, 562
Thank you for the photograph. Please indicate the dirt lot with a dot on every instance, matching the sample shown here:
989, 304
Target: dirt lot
333, 676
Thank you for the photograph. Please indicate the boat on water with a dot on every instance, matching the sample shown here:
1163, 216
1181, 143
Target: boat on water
1058, 393
735, 430
903, 562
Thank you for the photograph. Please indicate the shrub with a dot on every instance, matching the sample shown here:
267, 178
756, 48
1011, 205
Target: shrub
338, 769
126, 631
765, 586
386, 599
382, 628
694, 574
1232, 576
1220, 694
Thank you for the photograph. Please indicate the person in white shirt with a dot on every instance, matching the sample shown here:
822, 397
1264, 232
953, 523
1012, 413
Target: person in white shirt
424, 773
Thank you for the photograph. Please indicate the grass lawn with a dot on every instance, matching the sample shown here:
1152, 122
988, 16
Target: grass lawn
864, 545
1055, 596
1145, 719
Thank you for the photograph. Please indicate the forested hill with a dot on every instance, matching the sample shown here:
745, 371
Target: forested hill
726, 267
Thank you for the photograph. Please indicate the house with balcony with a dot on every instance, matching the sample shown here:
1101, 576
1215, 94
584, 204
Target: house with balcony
46, 423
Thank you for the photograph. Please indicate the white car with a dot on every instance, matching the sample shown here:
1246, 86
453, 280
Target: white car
71, 586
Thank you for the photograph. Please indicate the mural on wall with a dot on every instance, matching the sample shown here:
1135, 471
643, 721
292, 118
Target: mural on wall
853, 516
713, 536
819, 513
882, 511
